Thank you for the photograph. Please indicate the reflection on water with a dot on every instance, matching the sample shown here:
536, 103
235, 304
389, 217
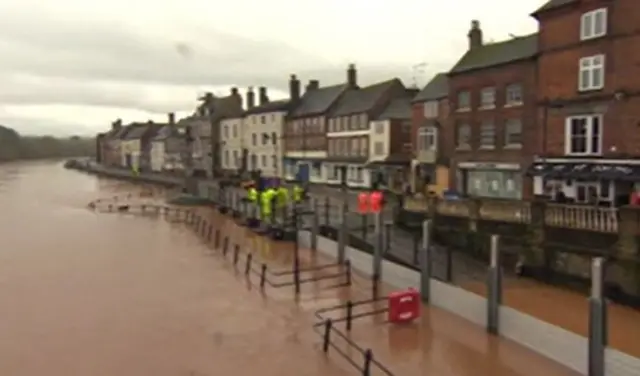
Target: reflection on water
83, 293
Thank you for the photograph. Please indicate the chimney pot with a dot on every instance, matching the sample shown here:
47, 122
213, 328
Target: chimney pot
262, 94
294, 88
251, 98
475, 35
313, 85
172, 118
352, 76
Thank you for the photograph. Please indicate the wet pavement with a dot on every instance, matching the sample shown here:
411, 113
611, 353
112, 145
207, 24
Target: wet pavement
85, 293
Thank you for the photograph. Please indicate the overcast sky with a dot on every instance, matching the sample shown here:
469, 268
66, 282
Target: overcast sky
71, 66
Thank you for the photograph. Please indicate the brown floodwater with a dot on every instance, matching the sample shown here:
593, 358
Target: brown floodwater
90, 293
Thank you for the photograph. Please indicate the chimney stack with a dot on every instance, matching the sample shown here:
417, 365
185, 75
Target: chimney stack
171, 118
251, 98
313, 85
294, 88
262, 95
352, 76
475, 35
117, 124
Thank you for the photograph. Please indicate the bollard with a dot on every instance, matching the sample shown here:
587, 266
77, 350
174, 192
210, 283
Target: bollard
209, 232
377, 252
494, 287
598, 330
327, 207
328, 324
366, 367
247, 266
388, 227
263, 275
343, 233
349, 317
315, 226
347, 265
236, 254
216, 240
425, 262
225, 245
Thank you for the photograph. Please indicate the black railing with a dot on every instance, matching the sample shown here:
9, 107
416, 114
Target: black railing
327, 329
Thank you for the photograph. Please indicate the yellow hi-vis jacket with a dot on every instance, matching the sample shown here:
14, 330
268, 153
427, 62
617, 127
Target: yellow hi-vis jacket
298, 192
252, 195
283, 197
267, 197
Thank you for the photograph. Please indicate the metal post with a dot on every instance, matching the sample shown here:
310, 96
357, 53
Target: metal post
296, 252
388, 228
598, 330
342, 234
425, 262
378, 249
494, 287
315, 226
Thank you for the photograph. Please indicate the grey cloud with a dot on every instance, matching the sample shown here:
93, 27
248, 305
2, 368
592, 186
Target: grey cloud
102, 51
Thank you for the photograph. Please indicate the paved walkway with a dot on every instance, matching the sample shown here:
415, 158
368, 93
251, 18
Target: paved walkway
438, 344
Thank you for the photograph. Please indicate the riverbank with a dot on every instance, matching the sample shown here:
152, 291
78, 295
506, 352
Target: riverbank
143, 177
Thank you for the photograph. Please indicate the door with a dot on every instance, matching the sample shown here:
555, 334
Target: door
303, 172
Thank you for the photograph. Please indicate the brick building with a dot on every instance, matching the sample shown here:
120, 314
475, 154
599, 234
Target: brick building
349, 128
589, 93
493, 107
431, 137
305, 132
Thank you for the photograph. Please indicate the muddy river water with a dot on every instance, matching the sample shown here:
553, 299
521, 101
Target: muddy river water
85, 293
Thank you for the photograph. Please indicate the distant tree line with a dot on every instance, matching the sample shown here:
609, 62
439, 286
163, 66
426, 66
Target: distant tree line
14, 147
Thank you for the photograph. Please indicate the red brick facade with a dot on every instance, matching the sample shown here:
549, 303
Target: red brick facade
561, 49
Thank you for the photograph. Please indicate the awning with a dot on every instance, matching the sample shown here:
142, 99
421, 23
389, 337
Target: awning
601, 171
399, 161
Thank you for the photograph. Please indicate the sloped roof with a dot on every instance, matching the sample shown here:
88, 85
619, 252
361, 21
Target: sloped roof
122, 132
493, 54
274, 106
167, 131
399, 108
553, 4
318, 101
437, 88
363, 99
139, 130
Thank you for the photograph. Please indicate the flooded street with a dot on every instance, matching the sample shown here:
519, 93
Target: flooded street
88, 293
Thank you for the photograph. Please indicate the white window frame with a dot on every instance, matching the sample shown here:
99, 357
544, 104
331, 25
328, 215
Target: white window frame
589, 134
379, 127
588, 24
378, 152
467, 95
510, 94
431, 109
592, 66
488, 98
427, 138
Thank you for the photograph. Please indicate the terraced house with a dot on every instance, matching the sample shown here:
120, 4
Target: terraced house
589, 91
432, 137
263, 125
305, 138
390, 144
349, 128
493, 107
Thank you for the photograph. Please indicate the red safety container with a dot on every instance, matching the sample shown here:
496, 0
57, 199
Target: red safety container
364, 203
404, 306
376, 198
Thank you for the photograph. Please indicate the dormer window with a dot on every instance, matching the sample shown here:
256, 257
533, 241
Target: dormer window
593, 24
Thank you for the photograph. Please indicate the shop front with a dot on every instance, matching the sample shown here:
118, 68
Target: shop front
492, 180
602, 182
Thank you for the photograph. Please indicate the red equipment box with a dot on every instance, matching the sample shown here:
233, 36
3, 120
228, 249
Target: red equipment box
404, 306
